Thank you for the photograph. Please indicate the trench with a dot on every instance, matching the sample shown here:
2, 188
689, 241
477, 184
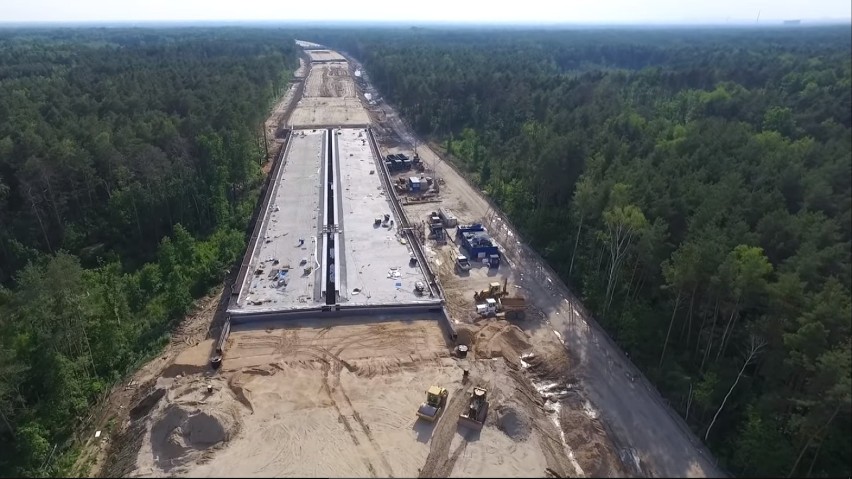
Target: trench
330, 290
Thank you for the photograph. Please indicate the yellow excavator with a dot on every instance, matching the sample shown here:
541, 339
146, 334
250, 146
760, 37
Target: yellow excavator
436, 399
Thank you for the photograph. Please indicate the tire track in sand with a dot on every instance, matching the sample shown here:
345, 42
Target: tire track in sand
361, 435
438, 464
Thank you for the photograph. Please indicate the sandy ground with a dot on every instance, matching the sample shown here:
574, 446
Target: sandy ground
277, 116
329, 80
327, 111
337, 398
325, 56
652, 439
187, 340
330, 99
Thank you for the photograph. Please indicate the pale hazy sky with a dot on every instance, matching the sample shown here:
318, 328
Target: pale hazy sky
544, 11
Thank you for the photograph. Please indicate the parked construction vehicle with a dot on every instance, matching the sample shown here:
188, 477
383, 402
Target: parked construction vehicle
493, 292
508, 308
436, 399
462, 263
477, 409
496, 302
513, 307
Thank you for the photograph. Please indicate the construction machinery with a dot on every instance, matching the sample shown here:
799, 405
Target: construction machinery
495, 301
488, 308
513, 307
494, 291
477, 409
462, 263
436, 399
509, 308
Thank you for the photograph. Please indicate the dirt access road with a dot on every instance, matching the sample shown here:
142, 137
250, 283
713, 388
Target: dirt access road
650, 435
329, 99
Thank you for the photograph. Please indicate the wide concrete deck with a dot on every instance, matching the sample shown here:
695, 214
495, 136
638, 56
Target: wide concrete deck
293, 214
375, 268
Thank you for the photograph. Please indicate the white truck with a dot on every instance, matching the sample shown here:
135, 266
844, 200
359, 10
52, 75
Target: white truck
462, 263
510, 308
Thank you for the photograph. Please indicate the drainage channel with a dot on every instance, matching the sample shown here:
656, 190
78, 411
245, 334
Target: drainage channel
330, 289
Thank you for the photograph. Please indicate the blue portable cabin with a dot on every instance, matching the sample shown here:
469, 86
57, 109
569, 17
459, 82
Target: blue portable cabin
474, 238
414, 183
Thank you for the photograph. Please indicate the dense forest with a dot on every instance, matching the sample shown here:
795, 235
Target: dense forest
129, 168
693, 186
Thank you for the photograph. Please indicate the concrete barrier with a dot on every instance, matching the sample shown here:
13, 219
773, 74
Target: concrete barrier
337, 311
257, 219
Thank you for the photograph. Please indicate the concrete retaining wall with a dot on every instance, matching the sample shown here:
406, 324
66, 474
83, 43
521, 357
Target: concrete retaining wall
337, 311
257, 220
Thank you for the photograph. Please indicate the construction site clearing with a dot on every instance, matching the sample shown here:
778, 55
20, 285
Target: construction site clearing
329, 99
339, 397
324, 56
342, 395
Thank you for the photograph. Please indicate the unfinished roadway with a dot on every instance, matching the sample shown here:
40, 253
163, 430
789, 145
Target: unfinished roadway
330, 238
340, 326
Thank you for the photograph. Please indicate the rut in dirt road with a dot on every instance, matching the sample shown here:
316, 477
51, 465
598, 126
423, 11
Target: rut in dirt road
442, 436
358, 430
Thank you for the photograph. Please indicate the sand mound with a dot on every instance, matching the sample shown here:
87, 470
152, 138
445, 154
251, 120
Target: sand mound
179, 435
551, 365
592, 447
143, 407
516, 339
498, 339
193, 360
514, 423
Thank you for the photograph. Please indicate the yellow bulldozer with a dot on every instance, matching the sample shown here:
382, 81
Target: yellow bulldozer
436, 399
477, 409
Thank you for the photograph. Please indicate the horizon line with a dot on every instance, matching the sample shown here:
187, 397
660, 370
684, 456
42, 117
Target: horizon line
415, 23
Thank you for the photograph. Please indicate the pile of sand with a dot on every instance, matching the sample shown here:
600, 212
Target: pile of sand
513, 423
586, 436
494, 339
179, 435
192, 360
